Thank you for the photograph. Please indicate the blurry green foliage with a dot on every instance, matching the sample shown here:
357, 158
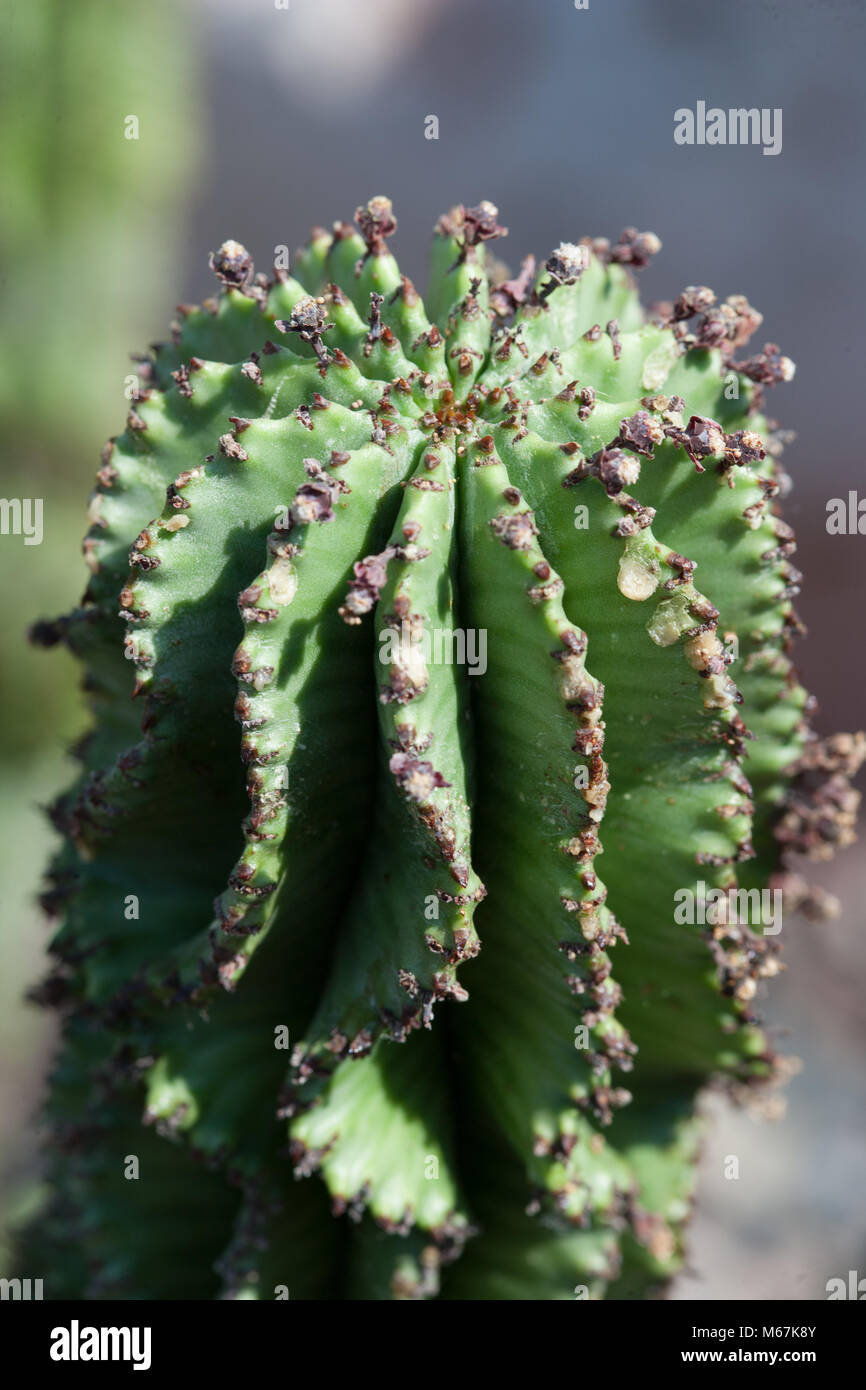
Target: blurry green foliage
88, 216
89, 222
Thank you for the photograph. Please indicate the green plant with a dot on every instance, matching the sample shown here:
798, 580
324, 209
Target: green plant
586, 497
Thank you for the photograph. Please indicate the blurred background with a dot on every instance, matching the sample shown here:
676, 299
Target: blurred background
256, 118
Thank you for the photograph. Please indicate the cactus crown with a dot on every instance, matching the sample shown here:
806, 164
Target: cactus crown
491, 583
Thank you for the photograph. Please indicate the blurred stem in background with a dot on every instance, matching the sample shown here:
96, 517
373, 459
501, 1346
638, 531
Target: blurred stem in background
98, 131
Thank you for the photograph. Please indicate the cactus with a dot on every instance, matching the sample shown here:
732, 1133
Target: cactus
497, 590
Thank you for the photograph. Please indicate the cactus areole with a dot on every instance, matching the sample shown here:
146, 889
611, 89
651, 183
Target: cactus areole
410, 903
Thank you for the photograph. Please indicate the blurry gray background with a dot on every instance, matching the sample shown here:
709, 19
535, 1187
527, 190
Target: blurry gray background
265, 120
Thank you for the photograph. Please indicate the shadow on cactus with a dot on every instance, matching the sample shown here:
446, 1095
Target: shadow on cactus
460, 644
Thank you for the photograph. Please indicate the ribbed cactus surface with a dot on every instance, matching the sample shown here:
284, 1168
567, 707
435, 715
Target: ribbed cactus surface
458, 650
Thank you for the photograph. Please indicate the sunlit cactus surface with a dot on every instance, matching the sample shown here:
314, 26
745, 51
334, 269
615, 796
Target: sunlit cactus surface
424, 861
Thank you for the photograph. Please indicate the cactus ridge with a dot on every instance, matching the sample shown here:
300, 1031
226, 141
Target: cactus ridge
328, 813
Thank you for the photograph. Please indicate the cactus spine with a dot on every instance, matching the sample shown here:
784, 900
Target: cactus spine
451, 886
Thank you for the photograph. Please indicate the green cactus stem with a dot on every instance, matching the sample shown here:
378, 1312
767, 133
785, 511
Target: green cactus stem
457, 641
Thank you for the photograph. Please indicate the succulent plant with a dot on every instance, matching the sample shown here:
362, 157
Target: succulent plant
460, 646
